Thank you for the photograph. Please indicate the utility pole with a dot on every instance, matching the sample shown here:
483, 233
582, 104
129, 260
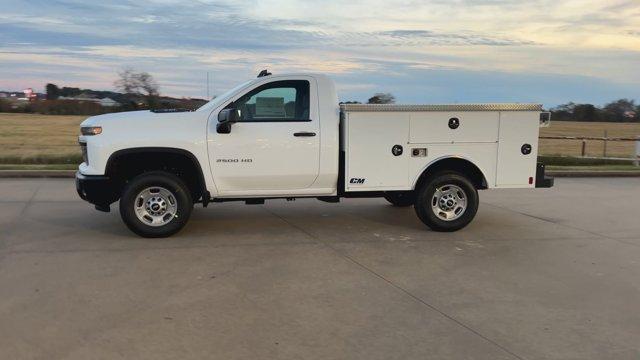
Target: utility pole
208, 86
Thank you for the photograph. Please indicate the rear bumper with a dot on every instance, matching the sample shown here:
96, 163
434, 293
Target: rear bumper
96, 189
543, 181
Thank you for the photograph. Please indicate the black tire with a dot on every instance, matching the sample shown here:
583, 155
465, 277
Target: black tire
183, 204
425, 198
400, 198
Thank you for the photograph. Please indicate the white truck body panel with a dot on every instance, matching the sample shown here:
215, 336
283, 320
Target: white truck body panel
281, 164
431, 127
516, 128
368, 154
271, 157
491, 139
144, 129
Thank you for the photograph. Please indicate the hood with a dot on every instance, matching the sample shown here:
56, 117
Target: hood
109, 119
143, 122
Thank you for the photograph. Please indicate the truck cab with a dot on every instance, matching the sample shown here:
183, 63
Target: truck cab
283, 143
286, 136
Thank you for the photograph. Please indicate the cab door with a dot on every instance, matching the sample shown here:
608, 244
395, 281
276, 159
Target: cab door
275, 146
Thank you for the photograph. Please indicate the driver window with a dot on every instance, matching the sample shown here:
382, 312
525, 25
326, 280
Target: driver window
276, 101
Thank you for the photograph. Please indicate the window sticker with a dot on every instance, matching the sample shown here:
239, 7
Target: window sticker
270, 107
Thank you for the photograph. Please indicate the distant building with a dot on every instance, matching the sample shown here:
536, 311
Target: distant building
29, 95
25, 95
106, 102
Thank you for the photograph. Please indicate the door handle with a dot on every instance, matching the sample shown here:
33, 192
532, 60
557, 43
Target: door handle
304, 133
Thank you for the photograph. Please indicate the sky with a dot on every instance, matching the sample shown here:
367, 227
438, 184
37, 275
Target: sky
437, 51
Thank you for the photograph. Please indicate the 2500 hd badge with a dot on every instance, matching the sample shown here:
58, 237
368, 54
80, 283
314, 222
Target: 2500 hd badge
234, 160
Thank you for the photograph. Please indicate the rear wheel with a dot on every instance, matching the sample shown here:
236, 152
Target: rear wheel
156, 204
447, 201
400, 198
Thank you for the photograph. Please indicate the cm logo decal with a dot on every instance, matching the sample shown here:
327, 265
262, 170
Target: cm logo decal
356, 181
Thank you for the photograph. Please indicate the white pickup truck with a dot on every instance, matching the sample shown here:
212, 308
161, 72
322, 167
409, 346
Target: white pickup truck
286, 136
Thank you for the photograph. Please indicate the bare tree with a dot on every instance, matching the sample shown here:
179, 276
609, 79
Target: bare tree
138, 83
382, 98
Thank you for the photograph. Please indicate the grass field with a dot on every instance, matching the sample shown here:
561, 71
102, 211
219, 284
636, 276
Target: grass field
33, 138
39, 138
593, 147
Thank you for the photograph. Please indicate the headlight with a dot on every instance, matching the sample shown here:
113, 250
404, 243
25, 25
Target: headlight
91, 130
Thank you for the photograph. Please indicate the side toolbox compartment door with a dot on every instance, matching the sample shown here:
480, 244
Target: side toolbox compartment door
432, 127
370, 162
517, 148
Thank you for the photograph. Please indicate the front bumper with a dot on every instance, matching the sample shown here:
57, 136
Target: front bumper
96, 189
543, 181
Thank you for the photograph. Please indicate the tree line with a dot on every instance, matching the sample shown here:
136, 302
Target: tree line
139, 90
135, 91
622, 110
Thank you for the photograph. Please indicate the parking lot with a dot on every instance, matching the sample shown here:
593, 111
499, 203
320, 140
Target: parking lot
551, 273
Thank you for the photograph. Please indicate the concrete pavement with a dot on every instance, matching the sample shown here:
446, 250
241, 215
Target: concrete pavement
539, 274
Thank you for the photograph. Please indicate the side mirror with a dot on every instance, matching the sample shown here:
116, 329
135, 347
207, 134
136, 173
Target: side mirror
227, 117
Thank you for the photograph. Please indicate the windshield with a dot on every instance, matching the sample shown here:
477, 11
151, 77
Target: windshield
218, 100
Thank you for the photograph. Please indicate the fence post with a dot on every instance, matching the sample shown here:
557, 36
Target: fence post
604, 150
637, 160
584, 145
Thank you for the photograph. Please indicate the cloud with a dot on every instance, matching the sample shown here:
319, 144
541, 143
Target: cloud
374, 45
434, 38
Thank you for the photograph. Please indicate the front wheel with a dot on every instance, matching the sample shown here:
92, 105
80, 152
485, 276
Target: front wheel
447, 202
156, 204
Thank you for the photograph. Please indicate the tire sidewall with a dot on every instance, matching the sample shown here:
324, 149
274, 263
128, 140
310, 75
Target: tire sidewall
425, 194
160, 179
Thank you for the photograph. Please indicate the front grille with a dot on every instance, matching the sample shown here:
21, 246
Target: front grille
83, 147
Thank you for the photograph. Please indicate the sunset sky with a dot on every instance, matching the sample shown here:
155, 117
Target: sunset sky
439, 51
